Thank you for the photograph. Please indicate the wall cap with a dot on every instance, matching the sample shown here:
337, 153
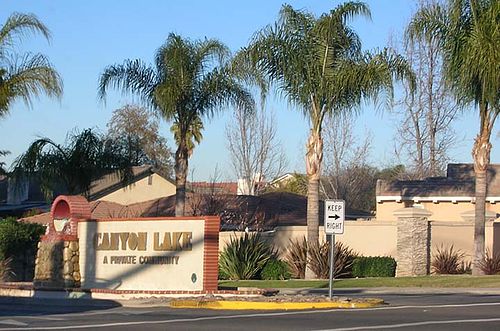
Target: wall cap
470, 215
411, 212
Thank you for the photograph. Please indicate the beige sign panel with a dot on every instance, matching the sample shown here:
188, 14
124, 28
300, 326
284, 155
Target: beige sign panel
145, 254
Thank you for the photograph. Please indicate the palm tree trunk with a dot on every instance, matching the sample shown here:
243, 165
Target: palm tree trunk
481, 155
181, 170
314, 158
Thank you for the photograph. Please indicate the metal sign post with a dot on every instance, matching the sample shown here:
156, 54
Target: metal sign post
334, 224
332, 265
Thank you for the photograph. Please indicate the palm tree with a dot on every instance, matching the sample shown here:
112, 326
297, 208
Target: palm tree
24, 76
469, 37
318, 64
190, 80
70, 167
194, 134
2, 164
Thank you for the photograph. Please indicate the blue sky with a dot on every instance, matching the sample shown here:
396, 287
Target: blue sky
89, 35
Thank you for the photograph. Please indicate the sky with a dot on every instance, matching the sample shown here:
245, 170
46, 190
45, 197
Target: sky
89, 35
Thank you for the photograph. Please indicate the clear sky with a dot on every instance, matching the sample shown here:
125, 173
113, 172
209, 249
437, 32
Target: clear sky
89, 35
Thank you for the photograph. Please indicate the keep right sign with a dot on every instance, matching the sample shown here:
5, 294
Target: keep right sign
334, 216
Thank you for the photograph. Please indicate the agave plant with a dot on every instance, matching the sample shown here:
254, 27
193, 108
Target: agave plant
319, 260
244, 257
447, 260
490, 264
296, 257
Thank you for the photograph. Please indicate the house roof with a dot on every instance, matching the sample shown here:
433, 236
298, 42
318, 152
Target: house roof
99, 188
275, 209
459, 182
218, 188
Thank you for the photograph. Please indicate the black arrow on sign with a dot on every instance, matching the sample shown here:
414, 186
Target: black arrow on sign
335, 217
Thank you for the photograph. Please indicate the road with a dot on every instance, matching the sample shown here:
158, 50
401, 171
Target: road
402, 312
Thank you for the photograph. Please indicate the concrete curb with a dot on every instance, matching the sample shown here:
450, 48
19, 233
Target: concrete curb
273, 305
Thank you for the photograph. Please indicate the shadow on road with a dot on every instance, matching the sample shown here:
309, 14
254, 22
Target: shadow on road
19, 306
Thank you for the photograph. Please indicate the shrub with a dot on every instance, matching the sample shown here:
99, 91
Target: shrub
490, 265
465, 267
296, 256
17, 237
374, 266
319, 255
222, 274
244, 257
275, 270
447, 260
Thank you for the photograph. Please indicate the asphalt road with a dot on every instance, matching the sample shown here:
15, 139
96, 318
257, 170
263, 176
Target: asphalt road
425, 311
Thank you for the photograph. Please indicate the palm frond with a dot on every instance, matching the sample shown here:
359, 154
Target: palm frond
18, 26
133, 76
27, 77
219, 89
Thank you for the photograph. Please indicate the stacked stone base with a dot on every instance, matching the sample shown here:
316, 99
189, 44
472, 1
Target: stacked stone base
57, 265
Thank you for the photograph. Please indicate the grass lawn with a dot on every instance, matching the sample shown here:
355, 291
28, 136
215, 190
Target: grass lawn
427, 281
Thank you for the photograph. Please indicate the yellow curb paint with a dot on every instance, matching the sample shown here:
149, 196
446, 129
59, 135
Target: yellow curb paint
265, 305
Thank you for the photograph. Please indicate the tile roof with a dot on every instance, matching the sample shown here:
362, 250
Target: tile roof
219, 188
459, 182
276, 209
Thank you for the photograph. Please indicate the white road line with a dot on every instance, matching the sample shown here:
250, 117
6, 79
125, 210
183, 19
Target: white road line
288, 313
405, 325
13, 322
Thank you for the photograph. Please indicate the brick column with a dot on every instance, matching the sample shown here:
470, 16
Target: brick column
413, 255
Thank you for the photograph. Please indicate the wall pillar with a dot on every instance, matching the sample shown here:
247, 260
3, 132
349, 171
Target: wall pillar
57, 260
413, 255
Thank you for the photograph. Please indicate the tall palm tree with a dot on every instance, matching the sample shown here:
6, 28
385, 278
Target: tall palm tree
69, 168
190, 80
2, 164
24, 76
468, 32
194, 134
318, 64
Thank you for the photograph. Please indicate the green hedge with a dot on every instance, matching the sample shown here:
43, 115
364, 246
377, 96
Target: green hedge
275, 269
374, 266
17, 237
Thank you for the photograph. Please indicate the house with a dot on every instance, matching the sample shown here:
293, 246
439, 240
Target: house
144, 184
449, 198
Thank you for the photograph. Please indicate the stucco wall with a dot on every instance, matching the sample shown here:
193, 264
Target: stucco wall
379, 238
367, 238
461, 235
142, 191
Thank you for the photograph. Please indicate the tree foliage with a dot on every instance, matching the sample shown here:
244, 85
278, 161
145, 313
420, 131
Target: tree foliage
24, 76
469, 38
317, 63
133, 133
189, 81
255, 151
69, 168
425, 137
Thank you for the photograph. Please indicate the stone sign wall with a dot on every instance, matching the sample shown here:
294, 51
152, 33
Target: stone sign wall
144, 254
